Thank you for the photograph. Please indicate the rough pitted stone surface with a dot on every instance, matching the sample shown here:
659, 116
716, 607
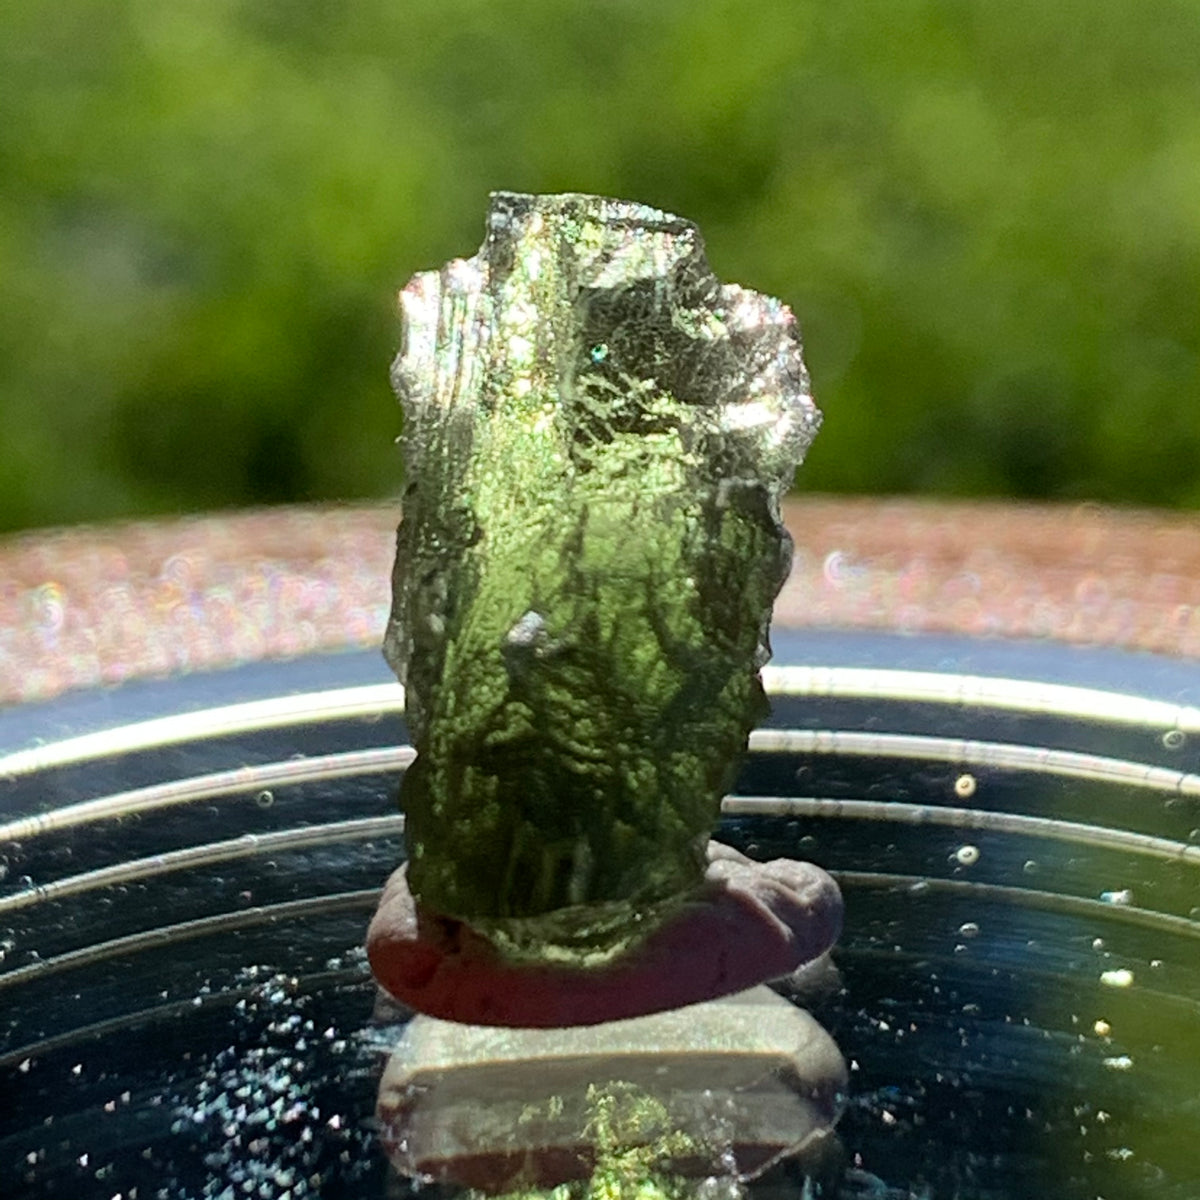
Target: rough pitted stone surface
597, 437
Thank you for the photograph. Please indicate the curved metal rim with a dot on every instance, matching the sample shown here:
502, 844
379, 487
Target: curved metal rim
952, 689
361, 828
208, 854
359, 702
343, 765
367, 898
979, 755
967, 754
166, 935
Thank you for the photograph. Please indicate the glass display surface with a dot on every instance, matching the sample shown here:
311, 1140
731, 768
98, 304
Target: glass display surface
189, 865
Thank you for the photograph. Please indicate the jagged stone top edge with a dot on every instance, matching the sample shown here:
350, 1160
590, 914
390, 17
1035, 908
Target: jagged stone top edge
503, 205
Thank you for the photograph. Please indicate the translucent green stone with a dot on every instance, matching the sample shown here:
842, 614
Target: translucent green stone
597, 437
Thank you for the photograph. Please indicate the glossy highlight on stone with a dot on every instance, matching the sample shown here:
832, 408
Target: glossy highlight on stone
597, 437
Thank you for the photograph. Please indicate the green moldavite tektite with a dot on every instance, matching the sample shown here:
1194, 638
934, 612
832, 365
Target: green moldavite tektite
597, 437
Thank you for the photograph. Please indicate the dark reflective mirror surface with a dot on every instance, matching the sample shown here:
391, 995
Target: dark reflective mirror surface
189, 865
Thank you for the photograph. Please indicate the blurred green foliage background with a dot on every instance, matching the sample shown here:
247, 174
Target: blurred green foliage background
986, 216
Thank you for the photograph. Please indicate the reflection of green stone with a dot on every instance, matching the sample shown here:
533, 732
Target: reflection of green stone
597, 436
630, 1133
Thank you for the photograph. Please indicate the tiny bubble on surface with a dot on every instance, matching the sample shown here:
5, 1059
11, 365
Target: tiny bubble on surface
1120, 977
1174, 739
967, 856
265, 798
964, 786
